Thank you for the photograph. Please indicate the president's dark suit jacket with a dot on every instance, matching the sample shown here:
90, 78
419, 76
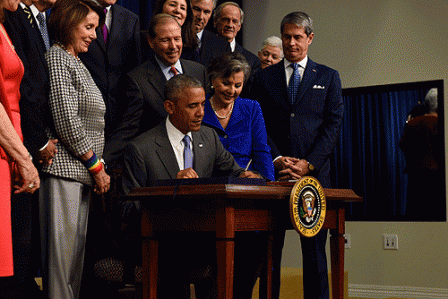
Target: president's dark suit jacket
144, 95
255, 67
34, 88
212, 46
109, 63
150, 156
310, 128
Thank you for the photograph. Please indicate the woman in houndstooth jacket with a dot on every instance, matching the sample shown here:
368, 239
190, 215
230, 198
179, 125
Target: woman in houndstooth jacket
78, 109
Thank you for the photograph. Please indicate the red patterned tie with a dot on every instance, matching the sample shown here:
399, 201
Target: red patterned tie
173, 71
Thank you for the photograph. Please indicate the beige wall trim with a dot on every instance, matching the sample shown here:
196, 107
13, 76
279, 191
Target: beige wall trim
373, 291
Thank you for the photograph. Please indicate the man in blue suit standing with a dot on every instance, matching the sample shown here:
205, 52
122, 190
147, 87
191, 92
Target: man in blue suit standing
302, 105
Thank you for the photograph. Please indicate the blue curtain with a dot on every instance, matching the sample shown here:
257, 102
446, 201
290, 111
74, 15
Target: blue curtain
367, 158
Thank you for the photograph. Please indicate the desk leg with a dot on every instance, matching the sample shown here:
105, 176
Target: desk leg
265, 284
337, 247
225, 250
150, 268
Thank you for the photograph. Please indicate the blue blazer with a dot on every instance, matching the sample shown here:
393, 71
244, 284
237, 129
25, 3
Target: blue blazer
245, 136
310, 128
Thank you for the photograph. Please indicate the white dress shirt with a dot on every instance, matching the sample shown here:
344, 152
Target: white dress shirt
175, 136
233, 45
289, 69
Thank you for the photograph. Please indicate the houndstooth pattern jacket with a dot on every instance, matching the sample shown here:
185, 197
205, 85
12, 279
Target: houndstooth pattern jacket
78, 109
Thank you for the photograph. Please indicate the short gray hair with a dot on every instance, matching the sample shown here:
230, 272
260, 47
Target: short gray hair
177, 84
300, 19
431, 100
273, 41
228, 64
215, 2
218, 11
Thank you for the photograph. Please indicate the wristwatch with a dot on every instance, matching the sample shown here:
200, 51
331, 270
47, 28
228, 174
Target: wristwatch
311, 166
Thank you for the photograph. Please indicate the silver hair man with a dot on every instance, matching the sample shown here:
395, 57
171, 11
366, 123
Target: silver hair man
218, 10
300, 19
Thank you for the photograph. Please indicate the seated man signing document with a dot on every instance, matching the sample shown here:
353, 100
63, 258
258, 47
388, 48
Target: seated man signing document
160, 152
177, 148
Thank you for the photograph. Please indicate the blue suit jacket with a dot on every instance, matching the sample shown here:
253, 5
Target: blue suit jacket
245, 135
310, 128
109, 63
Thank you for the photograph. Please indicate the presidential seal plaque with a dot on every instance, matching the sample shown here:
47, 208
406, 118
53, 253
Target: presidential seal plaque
307, 206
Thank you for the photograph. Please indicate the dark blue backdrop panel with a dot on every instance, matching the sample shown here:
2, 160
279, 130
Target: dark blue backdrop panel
367, 158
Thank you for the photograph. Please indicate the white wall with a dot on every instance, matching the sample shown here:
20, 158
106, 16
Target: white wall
373, 43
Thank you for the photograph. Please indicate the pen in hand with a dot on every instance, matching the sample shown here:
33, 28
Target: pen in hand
247, 166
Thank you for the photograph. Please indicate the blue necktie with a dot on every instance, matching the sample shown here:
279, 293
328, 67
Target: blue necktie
188, 154
294, 82
43, 29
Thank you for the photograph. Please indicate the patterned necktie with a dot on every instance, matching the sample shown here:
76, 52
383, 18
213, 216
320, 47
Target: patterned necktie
188, 154
173, 71
29, 15
294, 82
105, 32
43, 29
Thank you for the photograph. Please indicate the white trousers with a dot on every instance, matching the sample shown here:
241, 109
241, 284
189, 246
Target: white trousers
64, 209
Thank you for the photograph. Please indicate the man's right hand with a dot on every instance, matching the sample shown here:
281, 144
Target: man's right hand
46, 155
285, 162
188, 173
288, 169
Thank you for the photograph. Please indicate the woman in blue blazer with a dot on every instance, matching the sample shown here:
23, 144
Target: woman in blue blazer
239, 122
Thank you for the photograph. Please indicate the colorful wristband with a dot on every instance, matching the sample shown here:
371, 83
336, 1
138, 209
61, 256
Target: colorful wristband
93, 164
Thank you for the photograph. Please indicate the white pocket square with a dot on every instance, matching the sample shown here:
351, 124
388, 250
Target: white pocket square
318, 87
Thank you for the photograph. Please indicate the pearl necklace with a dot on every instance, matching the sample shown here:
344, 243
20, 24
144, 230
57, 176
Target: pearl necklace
216, 113
65, 49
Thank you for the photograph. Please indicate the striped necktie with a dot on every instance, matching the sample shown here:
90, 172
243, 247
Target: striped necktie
29, 15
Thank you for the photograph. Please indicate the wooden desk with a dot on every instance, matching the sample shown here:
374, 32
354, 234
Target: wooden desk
225, 209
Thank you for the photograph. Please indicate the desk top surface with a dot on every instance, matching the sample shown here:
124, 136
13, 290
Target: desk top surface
273, 190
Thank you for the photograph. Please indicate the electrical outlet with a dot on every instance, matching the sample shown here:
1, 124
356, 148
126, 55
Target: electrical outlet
390, 242
348, 241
